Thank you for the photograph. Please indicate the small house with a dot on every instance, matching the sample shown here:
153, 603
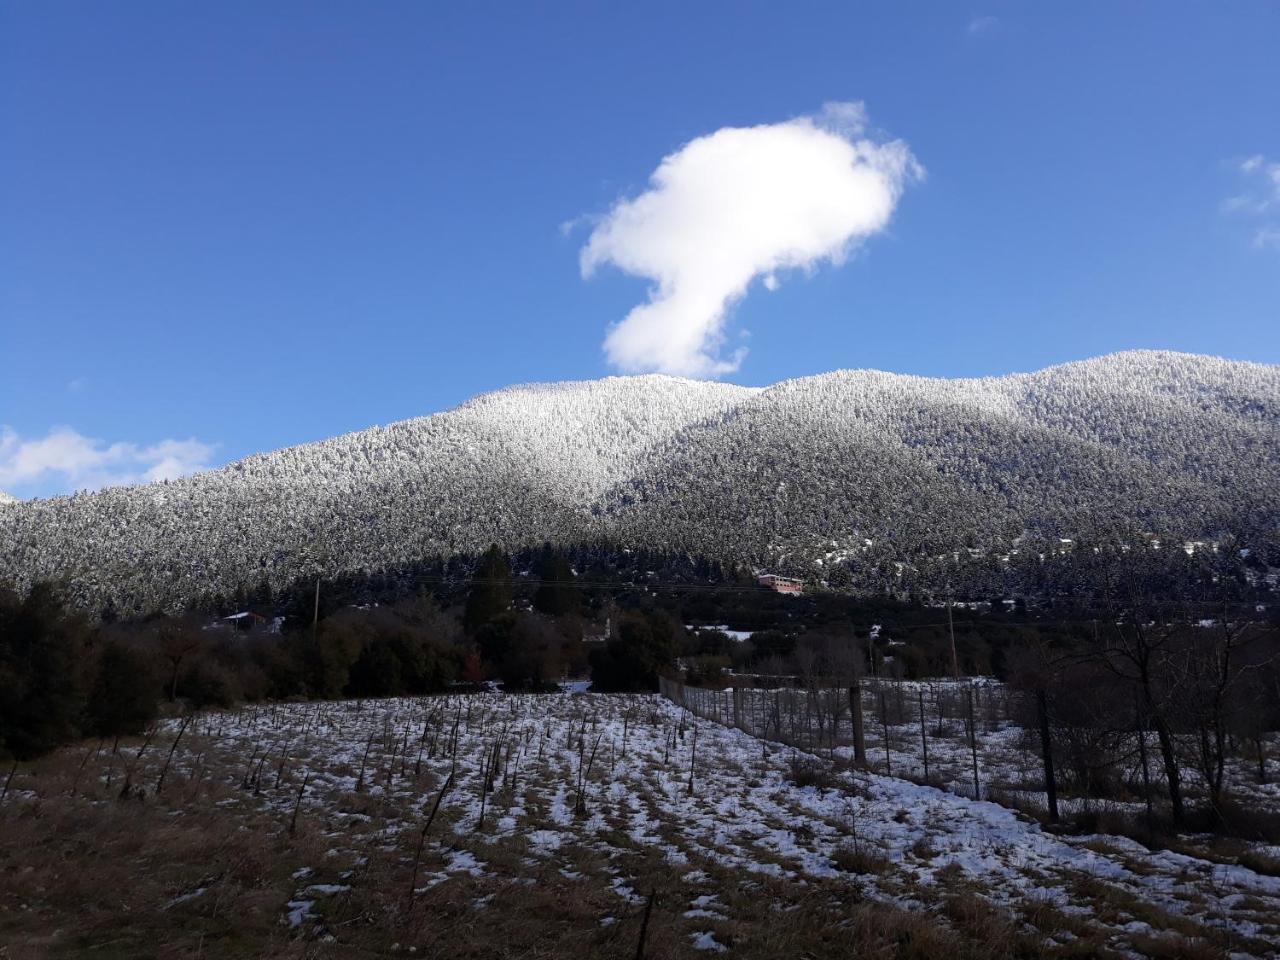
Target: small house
245, 620
780, 584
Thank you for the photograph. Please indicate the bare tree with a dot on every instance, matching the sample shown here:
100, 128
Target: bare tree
178, 641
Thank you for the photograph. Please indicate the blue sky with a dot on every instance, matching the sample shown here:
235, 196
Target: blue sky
231, 227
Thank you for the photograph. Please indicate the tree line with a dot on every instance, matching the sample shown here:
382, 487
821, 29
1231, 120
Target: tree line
65, 675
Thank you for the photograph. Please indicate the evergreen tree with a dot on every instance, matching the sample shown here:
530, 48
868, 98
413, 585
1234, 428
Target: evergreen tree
123, 697
632, 660
556, 595
41, 696
490, 593
494, 638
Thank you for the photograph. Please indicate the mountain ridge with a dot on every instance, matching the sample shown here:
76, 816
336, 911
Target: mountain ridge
792, 473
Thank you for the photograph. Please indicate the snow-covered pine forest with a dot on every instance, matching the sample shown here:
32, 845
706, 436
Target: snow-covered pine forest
841, 469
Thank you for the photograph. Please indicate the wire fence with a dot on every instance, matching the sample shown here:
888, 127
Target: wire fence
930, 731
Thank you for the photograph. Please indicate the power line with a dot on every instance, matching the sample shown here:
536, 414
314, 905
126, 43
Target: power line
600, 584
584, 583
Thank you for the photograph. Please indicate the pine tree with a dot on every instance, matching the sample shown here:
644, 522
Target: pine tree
490, 593
41, 697
123, 697
556, 595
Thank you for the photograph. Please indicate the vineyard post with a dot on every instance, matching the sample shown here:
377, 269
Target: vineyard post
973, 745
1046, 748
924, 736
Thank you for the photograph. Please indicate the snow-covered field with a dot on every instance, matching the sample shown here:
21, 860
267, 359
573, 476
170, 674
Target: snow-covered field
743, 811
920, 730
597, 801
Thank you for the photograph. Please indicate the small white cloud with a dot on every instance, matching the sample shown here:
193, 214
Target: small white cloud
978, 26
64, 461
734, 205
569, 226
1267, 238
1261, 199
1262, 177
1243, 204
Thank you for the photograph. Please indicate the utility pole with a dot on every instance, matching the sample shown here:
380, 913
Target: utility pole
951, 627
315, 618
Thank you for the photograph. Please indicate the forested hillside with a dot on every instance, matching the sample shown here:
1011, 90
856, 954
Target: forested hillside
838, 474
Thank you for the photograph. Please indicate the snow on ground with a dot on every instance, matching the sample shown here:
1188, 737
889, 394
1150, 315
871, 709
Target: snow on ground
1008, 755
738, 635
609, 773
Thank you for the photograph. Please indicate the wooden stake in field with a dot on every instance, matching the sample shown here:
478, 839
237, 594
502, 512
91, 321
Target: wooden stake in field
487, 762
284, 760
75, 784
422, 837
884, 726
924, 736
257, 774
580, 805
693, 755
293, 821
248, 768
453, 742
364, 760
422, 742
128, 773
973, 746
644, 924
182, 727
8, 780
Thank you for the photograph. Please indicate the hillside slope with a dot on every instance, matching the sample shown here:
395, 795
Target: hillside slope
816, 467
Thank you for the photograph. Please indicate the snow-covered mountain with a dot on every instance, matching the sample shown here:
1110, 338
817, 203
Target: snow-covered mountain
1181, 445
6, 498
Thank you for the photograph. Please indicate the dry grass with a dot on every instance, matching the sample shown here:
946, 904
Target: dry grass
805, 771
859, 858
211, 867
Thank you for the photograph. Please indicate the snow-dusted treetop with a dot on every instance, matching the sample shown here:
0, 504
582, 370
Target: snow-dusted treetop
809, 468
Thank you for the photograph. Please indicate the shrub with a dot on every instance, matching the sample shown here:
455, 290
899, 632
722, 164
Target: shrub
208, 684
807, 772
123, 698
857, 858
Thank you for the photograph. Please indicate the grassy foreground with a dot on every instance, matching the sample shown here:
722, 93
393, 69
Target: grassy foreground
298, 831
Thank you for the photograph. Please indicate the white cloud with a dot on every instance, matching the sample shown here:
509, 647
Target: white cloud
1267, 238
735, 205
1260, 200
978, 26
1266, 175
64, 461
